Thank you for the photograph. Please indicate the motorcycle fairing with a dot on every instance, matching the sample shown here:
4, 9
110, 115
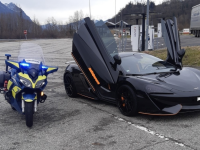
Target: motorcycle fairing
172, 41
51, 69
15, 91
12, 64
10, 83
34, 84
29, 97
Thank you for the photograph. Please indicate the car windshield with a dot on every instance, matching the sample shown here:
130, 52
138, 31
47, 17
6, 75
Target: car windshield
141, 64
31, 52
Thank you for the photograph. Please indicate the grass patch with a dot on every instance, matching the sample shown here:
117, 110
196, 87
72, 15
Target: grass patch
191, 57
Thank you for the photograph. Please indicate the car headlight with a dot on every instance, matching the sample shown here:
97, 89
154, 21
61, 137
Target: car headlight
153, 89
26, 83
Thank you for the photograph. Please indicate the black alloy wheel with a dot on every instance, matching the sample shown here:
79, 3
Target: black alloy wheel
126, 98
69, 85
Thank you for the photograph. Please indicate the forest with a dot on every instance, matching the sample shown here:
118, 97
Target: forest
12, 26
166, 10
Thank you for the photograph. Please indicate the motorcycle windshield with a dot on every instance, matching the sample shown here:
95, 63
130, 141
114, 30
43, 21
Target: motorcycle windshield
31, 53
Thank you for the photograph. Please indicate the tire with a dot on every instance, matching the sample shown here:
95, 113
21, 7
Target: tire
69, 85
29, 110
127, 102
196, 33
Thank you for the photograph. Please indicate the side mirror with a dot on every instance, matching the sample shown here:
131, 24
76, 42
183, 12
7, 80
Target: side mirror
180, 53
117, 59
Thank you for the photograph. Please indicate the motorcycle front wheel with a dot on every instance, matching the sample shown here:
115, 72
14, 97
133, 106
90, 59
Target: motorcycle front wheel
29, 110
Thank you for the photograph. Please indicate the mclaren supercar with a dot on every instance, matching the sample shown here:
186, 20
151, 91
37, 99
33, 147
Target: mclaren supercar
136, 82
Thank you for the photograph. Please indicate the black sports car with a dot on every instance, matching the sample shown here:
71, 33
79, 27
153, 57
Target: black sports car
136, 82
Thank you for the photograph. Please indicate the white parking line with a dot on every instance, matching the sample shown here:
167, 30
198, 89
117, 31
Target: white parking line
145, 129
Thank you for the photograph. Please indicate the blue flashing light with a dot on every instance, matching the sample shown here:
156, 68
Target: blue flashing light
44, 67
24, 64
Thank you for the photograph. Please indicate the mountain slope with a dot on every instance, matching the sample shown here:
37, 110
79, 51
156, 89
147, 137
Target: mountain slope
11, 8
4, 9
16, 9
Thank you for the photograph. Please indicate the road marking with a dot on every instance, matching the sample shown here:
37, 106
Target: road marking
145, 129
142, 128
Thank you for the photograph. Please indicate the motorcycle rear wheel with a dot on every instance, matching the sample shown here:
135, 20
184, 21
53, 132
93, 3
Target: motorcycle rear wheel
29, 110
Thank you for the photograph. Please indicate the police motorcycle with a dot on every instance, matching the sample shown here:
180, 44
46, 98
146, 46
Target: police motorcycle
23, 84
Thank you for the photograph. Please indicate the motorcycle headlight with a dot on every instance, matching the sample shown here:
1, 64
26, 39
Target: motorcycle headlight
26, 83
40, 84
153, 89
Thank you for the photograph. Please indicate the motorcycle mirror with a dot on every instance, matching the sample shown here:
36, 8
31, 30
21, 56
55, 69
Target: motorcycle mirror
7, 55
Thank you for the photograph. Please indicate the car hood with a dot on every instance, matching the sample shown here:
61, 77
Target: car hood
187, 80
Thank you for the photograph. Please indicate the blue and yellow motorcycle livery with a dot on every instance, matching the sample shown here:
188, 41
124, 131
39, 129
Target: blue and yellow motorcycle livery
24, 83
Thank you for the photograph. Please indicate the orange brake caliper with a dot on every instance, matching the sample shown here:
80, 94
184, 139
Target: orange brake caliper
122, 98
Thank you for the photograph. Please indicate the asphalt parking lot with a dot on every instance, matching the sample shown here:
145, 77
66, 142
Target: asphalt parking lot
79, 123
159, 43
186, 40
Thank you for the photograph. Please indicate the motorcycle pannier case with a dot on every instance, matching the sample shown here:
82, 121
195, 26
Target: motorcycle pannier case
3, 76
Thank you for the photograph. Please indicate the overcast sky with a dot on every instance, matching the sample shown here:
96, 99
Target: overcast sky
62, 9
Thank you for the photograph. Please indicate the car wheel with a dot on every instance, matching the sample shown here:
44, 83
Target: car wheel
69, 85
126, 98
196, 33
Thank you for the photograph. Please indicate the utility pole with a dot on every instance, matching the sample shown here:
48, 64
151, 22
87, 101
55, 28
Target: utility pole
90, 9
147, 27
115, 15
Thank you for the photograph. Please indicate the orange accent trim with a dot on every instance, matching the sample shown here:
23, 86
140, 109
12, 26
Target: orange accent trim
109, 86
122, 98
160, 114
157, 114
83, 73
95, 78
85, 96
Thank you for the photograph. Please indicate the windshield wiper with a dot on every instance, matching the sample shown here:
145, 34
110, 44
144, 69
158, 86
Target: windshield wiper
142, 74
149, 73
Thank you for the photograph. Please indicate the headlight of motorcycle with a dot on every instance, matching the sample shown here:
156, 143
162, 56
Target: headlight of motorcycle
153, 89
26, 83
40, 84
